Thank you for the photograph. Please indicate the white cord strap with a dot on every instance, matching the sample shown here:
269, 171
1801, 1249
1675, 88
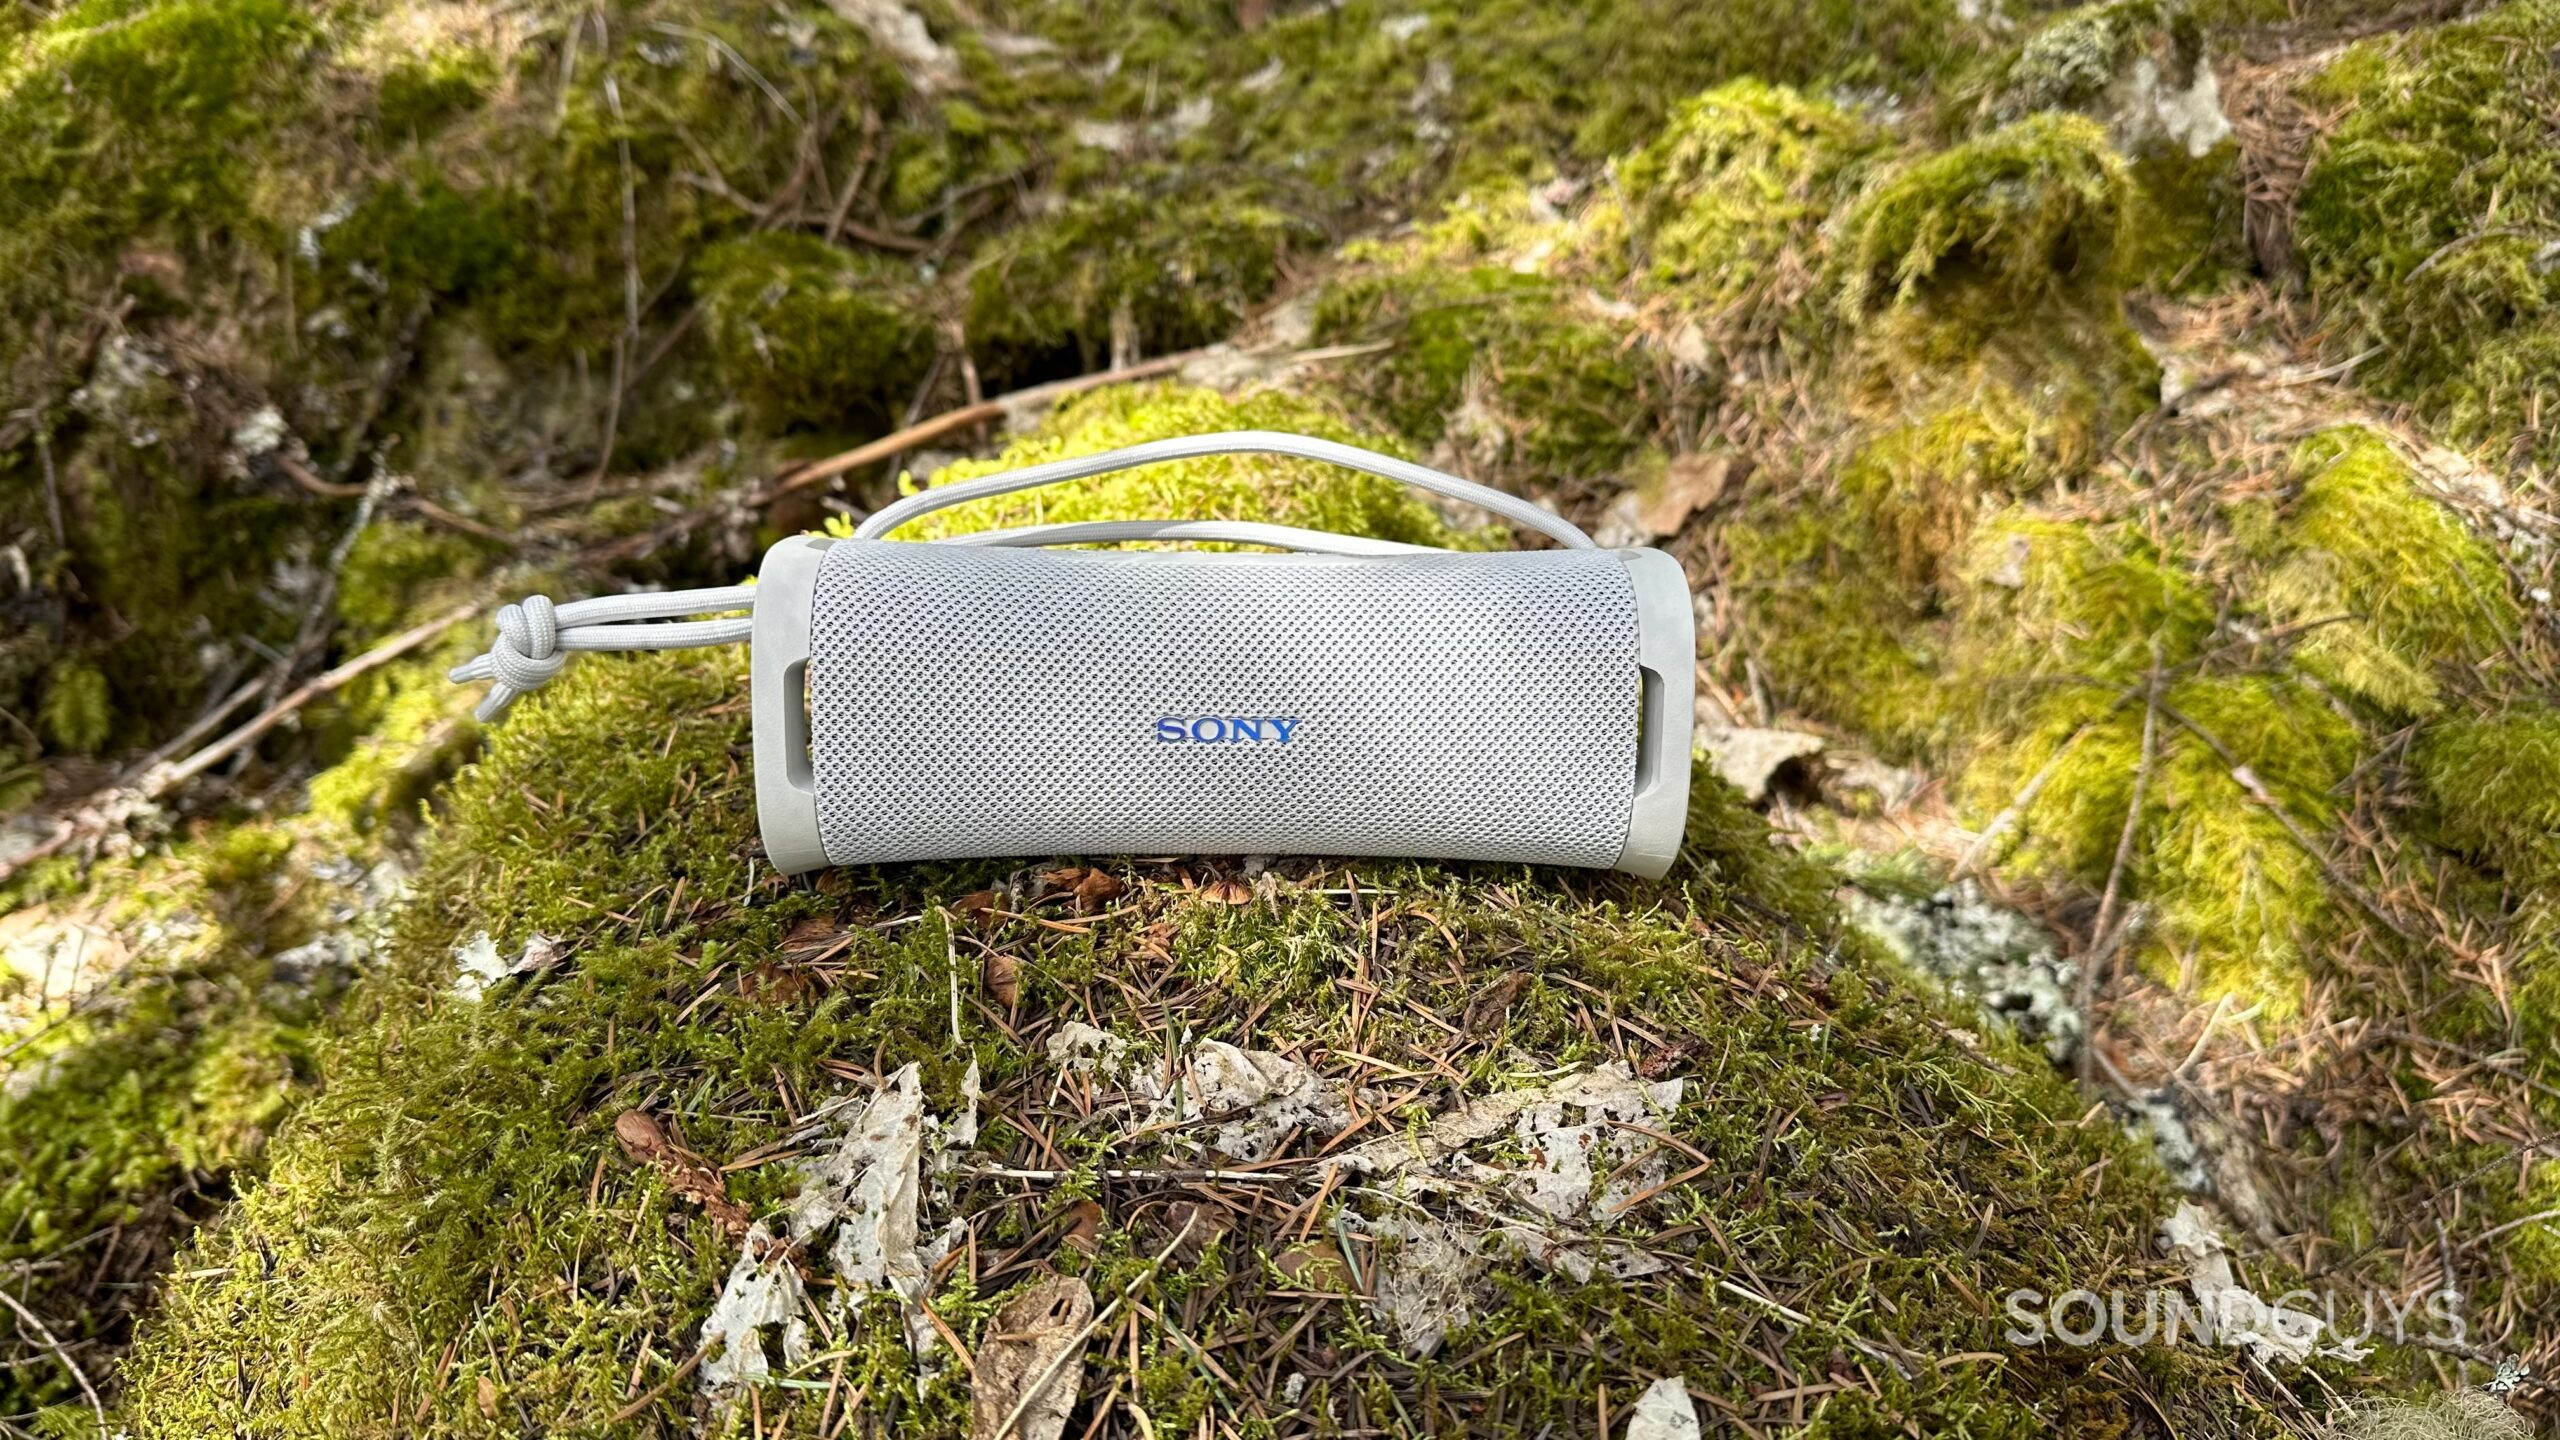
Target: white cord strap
1525, 513
534, 637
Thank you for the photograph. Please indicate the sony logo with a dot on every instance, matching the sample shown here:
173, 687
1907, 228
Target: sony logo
1225, 729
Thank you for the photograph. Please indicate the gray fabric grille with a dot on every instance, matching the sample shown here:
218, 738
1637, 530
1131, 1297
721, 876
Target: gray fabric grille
969, 702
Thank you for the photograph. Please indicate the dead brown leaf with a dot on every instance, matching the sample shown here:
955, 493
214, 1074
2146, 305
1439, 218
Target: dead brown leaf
1658, 1063
1691, 483
1091, 888
1227, 892
646, 1142
1491, 1007
1197, 1225
1084, 1227
1314, 1265
488, 1397
774, 983
1002, 974
976, 902
1029, 1366
815, 932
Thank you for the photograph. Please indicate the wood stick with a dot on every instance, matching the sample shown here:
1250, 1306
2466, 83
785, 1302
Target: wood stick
54, 1344
169, 777
924, 431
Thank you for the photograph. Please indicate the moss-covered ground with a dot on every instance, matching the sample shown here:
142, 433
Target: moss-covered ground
2199, 581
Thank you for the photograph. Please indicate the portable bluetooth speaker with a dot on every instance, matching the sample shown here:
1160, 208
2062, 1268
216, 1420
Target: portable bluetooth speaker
986, 696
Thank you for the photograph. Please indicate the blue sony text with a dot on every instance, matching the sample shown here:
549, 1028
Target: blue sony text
1225, 729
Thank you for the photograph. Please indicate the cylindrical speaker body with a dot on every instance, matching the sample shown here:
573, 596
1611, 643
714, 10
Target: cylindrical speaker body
933, 701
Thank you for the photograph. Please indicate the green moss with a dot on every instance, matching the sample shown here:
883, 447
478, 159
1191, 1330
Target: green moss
1921, 486
1729, 198
77, 714
120, 119
2236, 895
2187, 236
420, 238
2421, 219
412, 733
2393, 587
2048, 600
2132, 64
127, 1115
809, 334
1502, 362
2033, 211
1161, 272
1220, 487
450, 1208
420, 94
392, 569
2493, 780
1833, 632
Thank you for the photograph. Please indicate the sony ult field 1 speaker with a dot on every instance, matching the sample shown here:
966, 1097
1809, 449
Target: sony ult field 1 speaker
987, 694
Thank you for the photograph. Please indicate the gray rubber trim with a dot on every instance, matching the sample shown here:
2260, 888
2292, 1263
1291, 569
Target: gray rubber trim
786, 795
1667, 652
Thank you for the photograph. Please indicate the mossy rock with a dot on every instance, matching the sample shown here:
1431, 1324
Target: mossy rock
446, 1234
807, 334
2425, 216
2494, 781
2143, 70
2033, 211
1834, 631
2393, 589
1501, 363
1267, 488
1120, 269
127, 1118
1728, 200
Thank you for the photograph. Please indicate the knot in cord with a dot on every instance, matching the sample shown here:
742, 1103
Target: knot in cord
527, 653
536, 636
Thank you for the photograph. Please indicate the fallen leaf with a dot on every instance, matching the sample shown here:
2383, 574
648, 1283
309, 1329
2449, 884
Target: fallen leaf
976, 902
1002, 974
1084, 1228
815, 932
1198, 1226
774, 983
1228, 892
1491, 1007
1658, 1063
1091, 888
1314, 1265
1030, 1365
488, 1398
641, 1136
689, 1175
1690, 483
1664, 1412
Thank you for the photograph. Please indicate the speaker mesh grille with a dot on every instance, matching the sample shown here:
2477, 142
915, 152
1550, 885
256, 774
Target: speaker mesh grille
981, 702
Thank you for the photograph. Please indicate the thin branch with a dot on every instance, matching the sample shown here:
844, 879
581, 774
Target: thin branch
925, 431
97, 1407
303, 475
169, 778
2103, 941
